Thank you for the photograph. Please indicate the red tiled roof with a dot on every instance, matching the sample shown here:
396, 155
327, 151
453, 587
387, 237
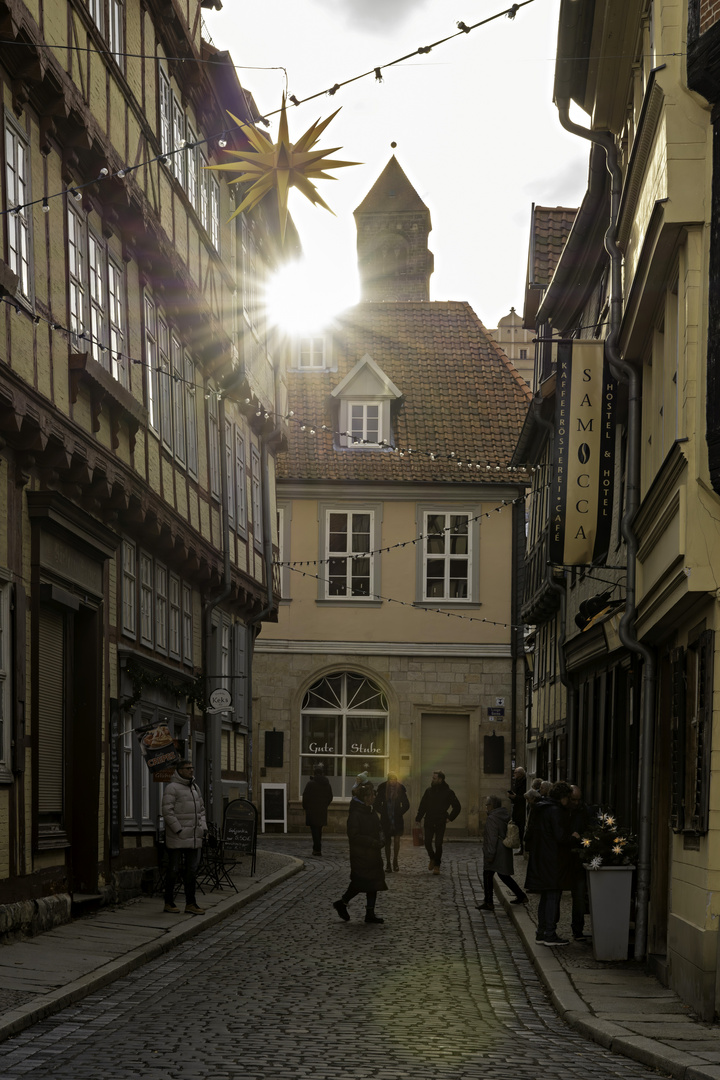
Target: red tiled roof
461, 395
550, 228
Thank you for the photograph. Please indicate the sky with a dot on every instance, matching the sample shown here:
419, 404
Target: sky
476, 131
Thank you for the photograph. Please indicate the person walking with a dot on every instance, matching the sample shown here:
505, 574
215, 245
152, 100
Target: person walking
366, 868
183, 811
548, 841
497, 859
438, 805
516, 794
316, 798
391, 803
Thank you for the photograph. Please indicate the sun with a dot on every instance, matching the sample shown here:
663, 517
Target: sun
304, 296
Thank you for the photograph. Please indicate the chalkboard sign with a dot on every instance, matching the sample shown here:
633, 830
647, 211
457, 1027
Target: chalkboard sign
494, 753
240, 828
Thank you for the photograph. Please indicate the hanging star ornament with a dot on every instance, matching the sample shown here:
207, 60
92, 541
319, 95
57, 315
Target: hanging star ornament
281, 165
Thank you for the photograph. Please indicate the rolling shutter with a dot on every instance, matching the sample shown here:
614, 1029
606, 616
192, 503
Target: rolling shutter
51, 712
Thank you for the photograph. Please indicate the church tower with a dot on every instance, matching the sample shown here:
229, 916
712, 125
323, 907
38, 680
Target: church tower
393, 226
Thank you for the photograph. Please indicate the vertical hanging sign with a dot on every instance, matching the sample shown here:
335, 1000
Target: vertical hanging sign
584, 455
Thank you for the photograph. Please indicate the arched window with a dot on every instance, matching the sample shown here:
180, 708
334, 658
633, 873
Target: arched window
344, 728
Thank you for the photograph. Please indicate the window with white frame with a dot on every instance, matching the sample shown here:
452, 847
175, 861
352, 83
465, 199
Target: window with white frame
213, 441
98, 303
256, 481
191, 416
129, 589
174, 617
446, 556
191, 166
344, 721
204, 193
164, 381
178, 133
185, 160
96, 297
76, 271
249, 274
240, 481
311, 353
365, 423
108, 17
230, 472
166, 113
348, 547
17, 195
116, 319
163, 600
178, 399
161, 607
151, 365
215, 211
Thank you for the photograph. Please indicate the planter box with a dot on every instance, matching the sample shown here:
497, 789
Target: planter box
609, 890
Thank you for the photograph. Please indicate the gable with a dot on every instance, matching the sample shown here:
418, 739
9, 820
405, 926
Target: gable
366, 380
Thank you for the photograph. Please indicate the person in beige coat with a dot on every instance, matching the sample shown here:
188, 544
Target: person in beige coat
185, 827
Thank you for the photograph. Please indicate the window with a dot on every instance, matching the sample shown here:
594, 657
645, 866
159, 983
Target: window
213, 442
146, 600
311, 354
214, 211
17, 194
96, 297
256, 496
178, 135
128, 747
164, 379
240, 482
249, 275
691, 733
191, 416
178, 399
129, 586
204, 193
165, 604
151, 365
165, 114
161, 607
364, 424
344, 728
187, 623
349, 562
108, 17
446, 557
191, 159
230, 471
523, 354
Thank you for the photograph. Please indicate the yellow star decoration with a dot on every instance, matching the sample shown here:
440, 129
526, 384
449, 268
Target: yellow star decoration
281, 165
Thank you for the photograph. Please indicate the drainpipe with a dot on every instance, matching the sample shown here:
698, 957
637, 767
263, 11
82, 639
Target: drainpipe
630, 373
213, 723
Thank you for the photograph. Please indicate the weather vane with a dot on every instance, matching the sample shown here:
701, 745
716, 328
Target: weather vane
281, 165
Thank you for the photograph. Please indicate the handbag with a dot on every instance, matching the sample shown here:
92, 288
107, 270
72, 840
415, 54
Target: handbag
417, 835
511, 839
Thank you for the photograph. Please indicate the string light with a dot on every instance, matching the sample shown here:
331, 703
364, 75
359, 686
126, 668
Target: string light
45, 206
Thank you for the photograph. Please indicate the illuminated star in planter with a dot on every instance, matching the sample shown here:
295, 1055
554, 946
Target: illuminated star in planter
281, 165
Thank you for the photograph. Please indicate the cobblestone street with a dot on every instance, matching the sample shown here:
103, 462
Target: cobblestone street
285, 989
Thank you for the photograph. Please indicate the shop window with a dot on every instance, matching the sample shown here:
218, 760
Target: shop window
691, 732
344, 728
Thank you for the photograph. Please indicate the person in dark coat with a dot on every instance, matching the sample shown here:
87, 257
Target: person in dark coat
391, 803
316, 798
548, 840
438, 805
516, 793
497, 859
366, 868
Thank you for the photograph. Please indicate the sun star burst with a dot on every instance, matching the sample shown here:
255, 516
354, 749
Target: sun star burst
281, 165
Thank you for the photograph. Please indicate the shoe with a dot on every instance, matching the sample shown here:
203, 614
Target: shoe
388, 869
193, 909
436, 869
372, 917
582, 937
317, 852
396, 868
342, 910
485, 907
431, 864
520, 900
553, 939
172, 909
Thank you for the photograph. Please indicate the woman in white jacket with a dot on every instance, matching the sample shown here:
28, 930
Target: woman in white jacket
185, 826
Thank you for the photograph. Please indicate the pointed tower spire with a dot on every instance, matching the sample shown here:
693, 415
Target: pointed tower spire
393, 226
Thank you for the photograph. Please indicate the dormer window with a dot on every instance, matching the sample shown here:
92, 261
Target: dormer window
311, 354
365, 397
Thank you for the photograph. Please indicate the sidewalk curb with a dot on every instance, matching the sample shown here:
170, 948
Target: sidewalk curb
25, 1016
570, 1007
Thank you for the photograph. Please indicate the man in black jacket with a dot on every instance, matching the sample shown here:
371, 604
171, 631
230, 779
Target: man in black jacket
438, 806
548, 842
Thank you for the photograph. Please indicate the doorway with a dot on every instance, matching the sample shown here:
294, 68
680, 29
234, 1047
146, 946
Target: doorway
444, 747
